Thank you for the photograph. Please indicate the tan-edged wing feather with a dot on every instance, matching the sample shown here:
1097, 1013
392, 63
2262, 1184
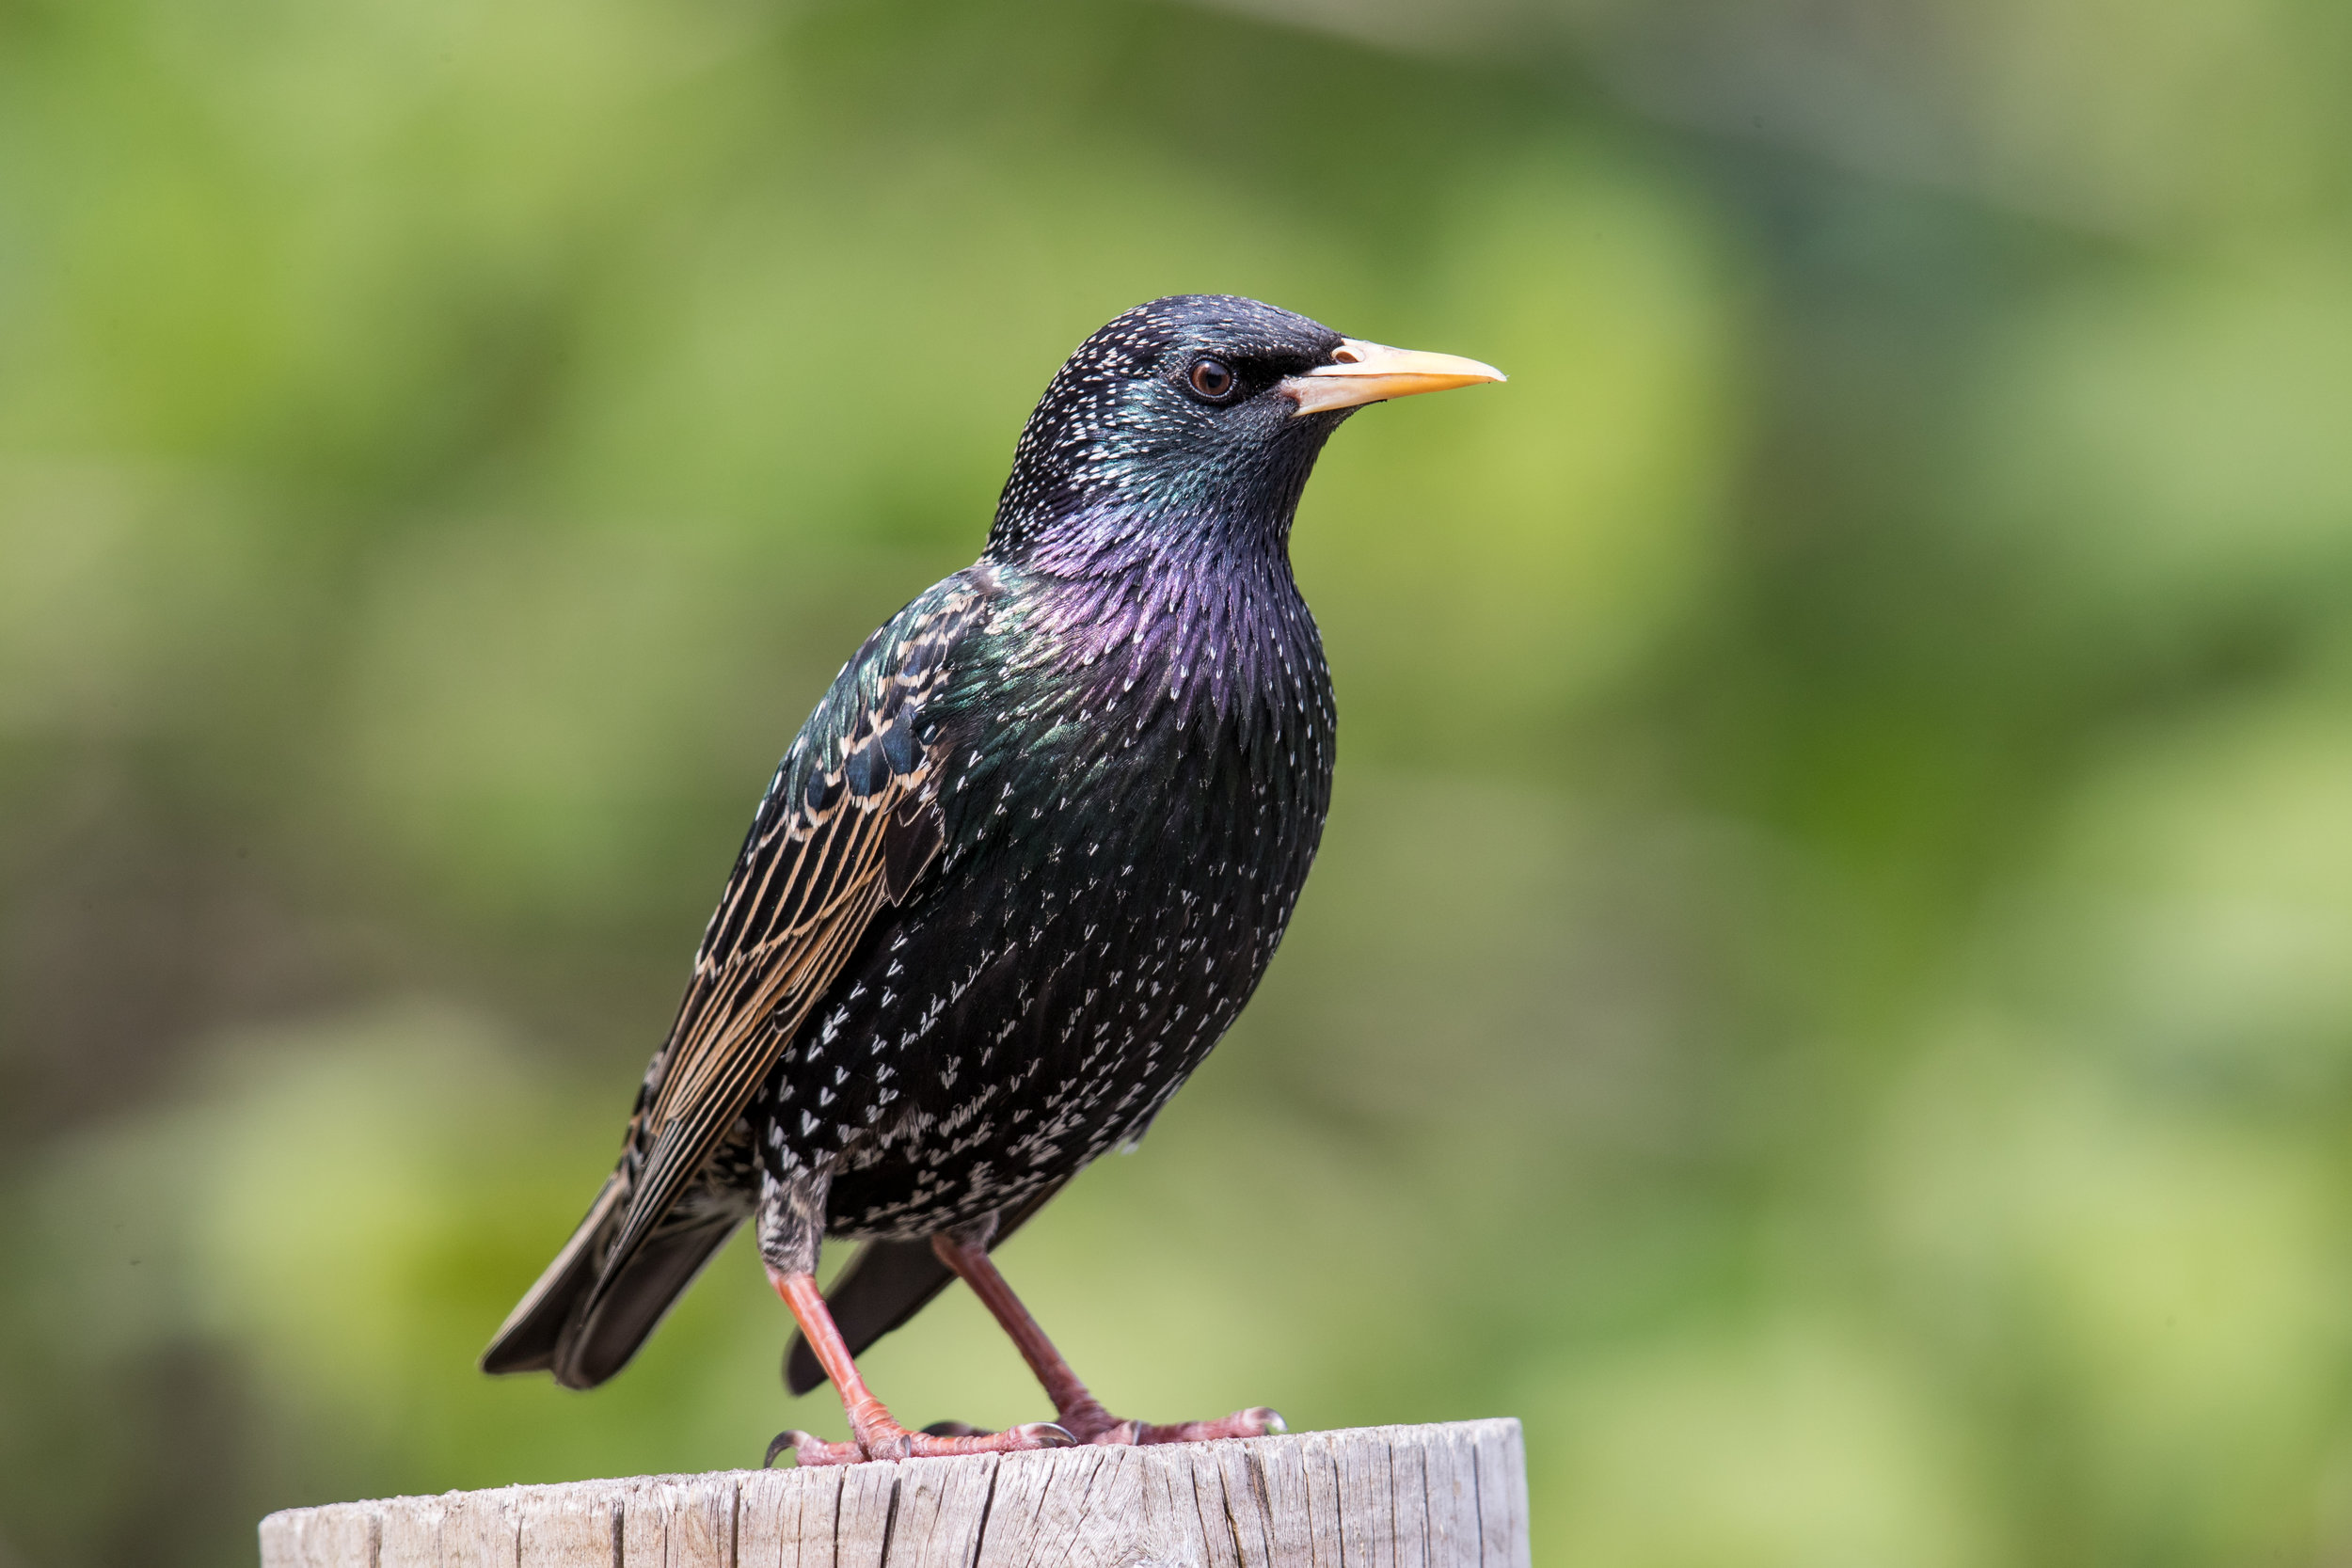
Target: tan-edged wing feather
849, 825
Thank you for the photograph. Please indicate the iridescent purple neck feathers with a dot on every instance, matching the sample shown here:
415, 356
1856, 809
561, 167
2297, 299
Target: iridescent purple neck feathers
1193, 625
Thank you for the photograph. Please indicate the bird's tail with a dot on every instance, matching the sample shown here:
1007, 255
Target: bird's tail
549, 1331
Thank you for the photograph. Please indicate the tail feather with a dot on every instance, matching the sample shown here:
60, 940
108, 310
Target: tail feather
566, 1324
527, 1340
599, 1344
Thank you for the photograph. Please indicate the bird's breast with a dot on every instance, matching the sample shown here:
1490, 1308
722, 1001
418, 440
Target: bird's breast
1136, 798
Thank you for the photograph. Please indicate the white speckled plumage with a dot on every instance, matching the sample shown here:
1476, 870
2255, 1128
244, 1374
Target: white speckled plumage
1026, 861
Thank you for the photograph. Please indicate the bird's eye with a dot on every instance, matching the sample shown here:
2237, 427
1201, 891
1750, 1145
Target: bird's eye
1214, 379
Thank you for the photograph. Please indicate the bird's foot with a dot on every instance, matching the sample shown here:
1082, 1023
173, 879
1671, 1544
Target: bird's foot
1098, 1425
939, 1441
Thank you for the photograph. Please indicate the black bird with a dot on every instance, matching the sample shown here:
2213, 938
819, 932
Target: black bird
1017, 874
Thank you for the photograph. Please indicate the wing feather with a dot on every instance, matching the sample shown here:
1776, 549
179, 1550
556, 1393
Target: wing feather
850, 827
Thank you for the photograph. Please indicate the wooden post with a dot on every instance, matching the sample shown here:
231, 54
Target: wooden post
1428, 1497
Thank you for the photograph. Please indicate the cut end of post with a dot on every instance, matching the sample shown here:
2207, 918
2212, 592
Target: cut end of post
1452, 1495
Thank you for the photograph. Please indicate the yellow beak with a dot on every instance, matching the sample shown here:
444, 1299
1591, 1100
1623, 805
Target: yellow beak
1367, 373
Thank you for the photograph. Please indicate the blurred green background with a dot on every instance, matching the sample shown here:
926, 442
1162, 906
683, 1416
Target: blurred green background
1828, 991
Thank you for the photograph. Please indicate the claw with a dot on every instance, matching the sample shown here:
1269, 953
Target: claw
792, 1438
956, 1429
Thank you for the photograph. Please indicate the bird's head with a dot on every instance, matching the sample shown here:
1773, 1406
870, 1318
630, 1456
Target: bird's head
1196, 411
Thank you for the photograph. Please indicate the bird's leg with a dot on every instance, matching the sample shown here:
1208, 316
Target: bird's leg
791, 1228
874, 1432
1079, 1411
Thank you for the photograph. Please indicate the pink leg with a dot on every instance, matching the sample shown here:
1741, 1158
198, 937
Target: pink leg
874, 1433
1081, 1413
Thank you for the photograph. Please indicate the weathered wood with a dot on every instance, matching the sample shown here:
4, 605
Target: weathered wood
1429, 1497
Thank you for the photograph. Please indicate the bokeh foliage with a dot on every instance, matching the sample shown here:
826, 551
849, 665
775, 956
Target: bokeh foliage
1829, 988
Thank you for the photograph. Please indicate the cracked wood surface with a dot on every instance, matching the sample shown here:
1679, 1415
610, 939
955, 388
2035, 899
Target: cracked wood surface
1424, 1496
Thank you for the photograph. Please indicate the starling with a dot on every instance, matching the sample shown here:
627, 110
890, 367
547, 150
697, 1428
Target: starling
1016, 874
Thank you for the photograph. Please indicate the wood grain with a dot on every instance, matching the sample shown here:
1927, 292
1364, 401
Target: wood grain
1426, 1496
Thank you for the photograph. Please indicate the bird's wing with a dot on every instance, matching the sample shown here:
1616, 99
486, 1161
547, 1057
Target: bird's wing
851, 822
885, 1285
